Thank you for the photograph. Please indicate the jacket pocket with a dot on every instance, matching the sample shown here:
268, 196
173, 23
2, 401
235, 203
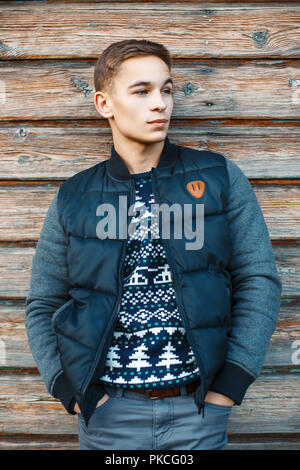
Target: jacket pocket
57, 314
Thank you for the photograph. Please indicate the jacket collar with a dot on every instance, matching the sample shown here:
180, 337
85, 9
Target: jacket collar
119, 170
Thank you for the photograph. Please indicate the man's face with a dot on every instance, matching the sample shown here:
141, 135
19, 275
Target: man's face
130, 107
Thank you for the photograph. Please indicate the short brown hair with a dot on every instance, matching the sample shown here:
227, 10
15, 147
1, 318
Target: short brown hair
109, 62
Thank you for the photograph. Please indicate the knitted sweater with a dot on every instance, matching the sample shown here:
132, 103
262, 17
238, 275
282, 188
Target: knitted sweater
149, 349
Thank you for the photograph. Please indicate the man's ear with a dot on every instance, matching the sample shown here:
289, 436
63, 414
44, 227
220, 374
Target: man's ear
102, 104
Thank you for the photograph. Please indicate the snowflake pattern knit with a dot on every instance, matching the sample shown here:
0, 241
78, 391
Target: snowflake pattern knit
149, 349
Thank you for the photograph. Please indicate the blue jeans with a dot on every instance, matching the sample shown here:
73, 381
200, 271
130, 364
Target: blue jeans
130, 420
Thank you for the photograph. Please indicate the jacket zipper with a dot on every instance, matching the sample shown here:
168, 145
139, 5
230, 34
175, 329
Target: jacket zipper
200, 394
102, 350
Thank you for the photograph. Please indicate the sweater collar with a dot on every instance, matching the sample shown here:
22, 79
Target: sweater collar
119, 170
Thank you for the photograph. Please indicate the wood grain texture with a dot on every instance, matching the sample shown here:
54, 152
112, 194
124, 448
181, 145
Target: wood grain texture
236, 88
38, 442
56, 150
190, 30
267, 442
91, 2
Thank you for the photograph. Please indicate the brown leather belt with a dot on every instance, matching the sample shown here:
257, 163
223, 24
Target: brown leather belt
168, 392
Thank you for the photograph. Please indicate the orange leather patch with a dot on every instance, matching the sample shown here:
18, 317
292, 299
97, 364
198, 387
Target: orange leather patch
196, 188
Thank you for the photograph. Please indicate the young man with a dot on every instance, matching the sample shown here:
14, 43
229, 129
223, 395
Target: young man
150, 341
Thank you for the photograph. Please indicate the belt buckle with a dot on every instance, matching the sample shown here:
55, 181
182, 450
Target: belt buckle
149, 396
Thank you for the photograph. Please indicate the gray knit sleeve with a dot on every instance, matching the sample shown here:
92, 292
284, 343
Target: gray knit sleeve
256, 289
48, 291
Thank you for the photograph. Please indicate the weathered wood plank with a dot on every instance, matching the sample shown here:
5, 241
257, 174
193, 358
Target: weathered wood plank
272, 403
57, 150
288, 263
50, 2
35, 442
24, 206
16, 262
283, 350
203, 88
193, 30
255, 443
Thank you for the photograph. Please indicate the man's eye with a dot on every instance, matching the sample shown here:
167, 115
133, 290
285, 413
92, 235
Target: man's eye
142, 91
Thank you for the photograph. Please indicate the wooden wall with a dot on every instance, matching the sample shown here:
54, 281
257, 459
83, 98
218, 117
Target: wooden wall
237, 82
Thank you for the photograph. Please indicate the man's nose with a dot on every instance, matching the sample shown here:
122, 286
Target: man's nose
158, 102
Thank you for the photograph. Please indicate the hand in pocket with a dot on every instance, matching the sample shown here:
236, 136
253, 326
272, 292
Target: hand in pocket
99, 403
103, 400
76, 408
